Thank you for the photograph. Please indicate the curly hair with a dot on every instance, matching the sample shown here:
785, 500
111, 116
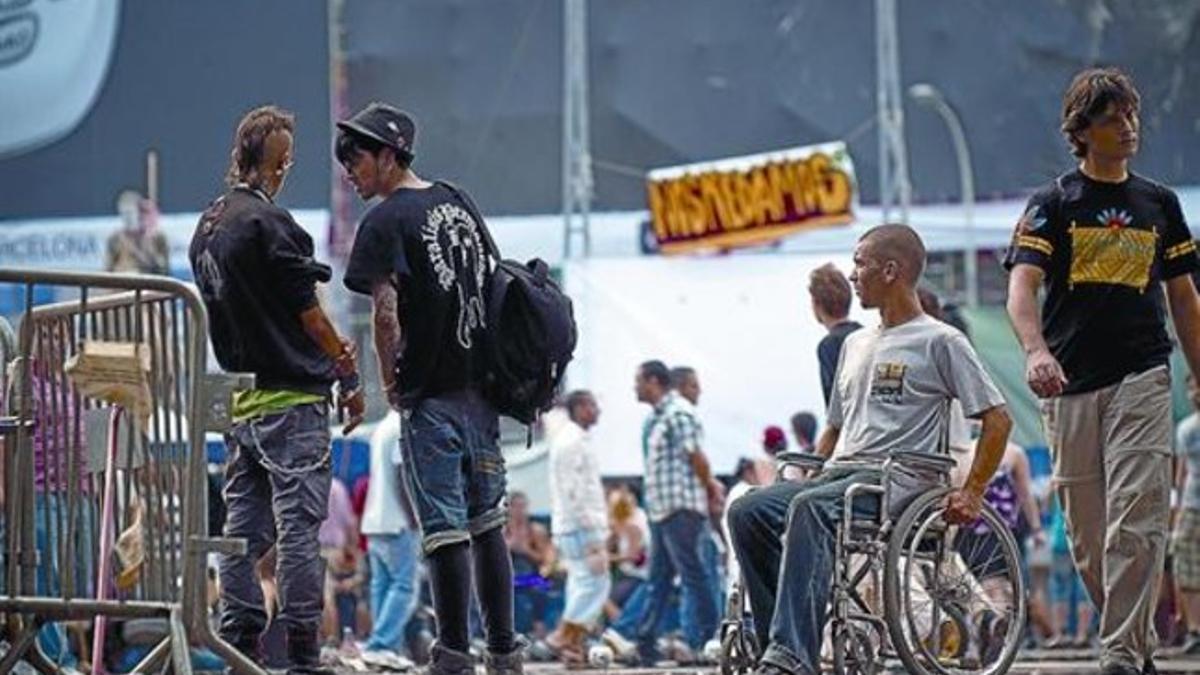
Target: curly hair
1088, 96
250, 140
830, 290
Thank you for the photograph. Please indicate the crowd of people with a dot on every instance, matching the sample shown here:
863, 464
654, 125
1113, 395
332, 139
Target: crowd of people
433, 559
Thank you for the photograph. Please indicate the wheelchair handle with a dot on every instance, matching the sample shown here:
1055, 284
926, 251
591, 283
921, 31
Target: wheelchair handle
942, 464
801, 460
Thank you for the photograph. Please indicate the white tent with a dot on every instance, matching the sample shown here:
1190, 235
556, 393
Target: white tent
743, 322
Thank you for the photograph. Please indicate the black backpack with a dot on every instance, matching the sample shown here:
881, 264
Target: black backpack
530, 331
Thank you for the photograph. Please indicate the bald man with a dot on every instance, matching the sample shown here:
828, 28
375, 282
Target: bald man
892, 390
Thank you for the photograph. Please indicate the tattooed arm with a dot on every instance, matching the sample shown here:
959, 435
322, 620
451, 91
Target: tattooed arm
386, 322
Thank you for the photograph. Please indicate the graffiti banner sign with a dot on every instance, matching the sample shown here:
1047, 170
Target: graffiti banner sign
745, 201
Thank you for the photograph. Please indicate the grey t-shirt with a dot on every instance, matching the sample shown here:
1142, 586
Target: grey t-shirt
894, 386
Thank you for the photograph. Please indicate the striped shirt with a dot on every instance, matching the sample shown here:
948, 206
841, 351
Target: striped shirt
671, 434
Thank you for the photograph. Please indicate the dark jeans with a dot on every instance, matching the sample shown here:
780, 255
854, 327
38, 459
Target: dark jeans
710, 555
454, 470
675, 547
276, 493
456, 480
784, 537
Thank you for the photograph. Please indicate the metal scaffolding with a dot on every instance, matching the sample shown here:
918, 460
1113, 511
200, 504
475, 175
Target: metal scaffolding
894, 186
577, 161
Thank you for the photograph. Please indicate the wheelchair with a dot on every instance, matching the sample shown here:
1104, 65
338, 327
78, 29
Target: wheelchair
953, 597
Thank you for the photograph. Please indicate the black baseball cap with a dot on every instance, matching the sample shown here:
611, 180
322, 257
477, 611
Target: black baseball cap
387, 125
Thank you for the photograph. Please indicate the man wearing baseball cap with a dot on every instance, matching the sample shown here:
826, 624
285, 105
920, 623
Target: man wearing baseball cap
419, 253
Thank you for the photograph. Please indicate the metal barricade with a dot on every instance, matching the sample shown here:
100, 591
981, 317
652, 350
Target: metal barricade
105, 505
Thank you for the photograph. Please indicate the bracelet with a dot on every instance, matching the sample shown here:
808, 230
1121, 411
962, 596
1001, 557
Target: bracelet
348, 384
346, 363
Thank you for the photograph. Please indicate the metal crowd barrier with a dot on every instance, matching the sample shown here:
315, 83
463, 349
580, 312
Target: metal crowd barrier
105, 506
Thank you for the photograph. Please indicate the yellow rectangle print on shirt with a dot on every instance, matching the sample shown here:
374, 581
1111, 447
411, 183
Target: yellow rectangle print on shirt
1112, 255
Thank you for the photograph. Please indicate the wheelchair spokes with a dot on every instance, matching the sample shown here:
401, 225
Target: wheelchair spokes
955, 596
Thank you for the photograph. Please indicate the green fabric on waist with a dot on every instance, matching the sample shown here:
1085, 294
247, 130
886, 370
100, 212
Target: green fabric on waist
258, 402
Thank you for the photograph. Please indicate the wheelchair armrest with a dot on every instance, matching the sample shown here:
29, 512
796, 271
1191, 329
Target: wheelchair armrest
923, 461
802, 460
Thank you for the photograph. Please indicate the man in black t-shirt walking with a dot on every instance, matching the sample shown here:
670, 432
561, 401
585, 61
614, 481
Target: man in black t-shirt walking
419, 252
255, 270
1105, 242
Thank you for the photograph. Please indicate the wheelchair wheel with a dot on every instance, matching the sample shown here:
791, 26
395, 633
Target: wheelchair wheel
954, 597
739, 651
853, 651
953, 634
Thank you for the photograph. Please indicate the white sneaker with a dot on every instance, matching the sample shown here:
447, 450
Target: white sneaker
624, 648
386, 659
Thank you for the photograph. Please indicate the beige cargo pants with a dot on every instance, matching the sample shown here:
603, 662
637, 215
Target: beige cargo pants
1112, 467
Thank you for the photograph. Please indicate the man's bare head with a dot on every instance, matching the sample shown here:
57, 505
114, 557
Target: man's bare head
888, 258
899, 244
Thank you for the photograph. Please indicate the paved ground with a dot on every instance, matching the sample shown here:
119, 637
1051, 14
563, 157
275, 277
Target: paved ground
1032, 663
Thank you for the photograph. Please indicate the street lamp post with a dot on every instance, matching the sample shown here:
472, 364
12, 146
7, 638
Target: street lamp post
927, 94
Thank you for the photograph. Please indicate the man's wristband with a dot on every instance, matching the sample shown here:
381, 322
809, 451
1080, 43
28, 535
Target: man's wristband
348, 384
346, 363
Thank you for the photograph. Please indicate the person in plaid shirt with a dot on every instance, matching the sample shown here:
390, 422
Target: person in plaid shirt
678, 484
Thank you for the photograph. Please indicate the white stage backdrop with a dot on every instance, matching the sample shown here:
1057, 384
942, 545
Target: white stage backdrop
743, 321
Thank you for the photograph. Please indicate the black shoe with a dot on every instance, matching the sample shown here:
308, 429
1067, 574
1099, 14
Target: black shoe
647, 656
250, 647
445, 661
1119, 669
1148, 667
764, 668
512, 663
304, 654
1191, 645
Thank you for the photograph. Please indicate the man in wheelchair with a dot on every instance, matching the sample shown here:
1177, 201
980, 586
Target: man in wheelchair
892, 391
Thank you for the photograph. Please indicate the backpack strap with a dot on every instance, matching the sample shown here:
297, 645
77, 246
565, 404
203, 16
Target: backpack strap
483, 228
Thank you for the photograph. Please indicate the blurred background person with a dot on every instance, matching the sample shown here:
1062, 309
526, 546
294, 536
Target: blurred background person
393, 554
629, 548
830, 293
138, 246
533, 562
579, 516
1186, 535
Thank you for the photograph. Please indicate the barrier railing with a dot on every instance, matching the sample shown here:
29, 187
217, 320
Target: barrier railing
105, 496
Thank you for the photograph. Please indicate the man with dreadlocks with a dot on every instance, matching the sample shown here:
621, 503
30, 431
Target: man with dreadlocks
255, 269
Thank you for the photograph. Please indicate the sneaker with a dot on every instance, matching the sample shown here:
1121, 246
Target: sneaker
306, 654
512, 663
478, 648
449, 662
624, 649
385, 659
712, 652
540, 652
420, 647
648, 656
1119, 669
1059, 642
1148, 667
311, 670
1191, 645
993, 638
675, 649
764, 668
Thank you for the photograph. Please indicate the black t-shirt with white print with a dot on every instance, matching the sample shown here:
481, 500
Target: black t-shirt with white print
1105, 249
429, 243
